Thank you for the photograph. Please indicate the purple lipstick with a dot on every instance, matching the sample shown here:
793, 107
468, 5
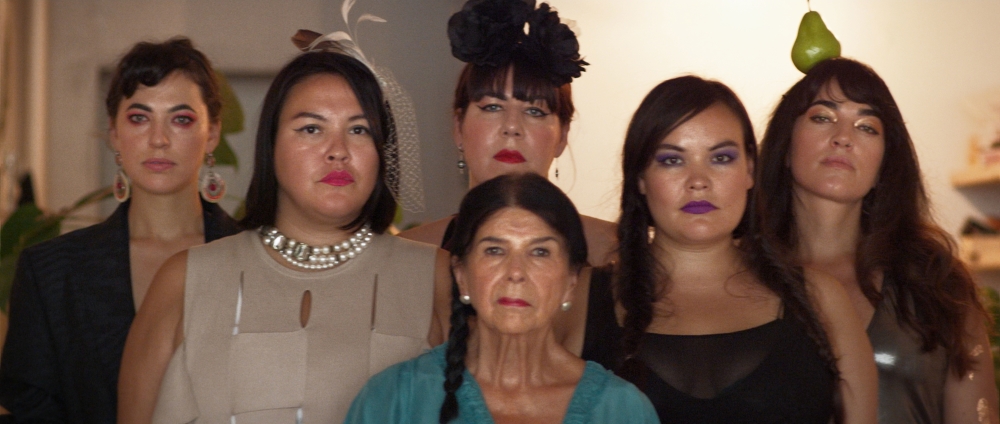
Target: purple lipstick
699, 207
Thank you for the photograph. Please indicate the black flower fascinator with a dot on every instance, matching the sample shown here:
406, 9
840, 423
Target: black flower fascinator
491, 33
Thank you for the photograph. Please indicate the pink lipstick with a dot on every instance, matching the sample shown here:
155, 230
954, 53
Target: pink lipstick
699, 207
338, 178
838, 162
158, 164
507, 301
509, 156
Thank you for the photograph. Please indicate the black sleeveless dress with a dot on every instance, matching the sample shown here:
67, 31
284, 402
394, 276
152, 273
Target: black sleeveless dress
772, 373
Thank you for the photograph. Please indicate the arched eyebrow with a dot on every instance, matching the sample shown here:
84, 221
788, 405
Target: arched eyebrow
499, 240
866, 111
309, 115
146, 108
319, 117
725, 143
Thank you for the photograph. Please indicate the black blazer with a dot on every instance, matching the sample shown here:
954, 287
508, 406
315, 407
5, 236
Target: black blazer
70, 310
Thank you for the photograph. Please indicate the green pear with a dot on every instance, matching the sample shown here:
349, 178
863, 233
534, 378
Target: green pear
815, 43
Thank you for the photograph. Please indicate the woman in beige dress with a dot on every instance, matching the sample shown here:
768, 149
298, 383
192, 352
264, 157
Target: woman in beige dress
286, 321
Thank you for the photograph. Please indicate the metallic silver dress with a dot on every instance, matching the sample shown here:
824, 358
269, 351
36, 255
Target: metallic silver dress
910, 381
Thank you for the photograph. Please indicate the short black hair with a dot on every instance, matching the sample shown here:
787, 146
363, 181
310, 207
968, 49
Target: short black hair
262, 196
149, 63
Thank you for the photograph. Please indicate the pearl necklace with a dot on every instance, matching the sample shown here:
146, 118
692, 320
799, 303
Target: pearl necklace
319, 257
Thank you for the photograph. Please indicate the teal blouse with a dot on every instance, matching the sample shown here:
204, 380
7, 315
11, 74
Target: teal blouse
412, 392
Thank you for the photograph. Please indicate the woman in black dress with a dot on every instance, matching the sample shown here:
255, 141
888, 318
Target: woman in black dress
700, 315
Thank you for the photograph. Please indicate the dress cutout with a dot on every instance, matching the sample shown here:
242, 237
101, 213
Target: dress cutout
246, 356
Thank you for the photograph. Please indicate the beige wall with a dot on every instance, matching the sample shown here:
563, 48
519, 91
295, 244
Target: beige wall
938, 57
242, 37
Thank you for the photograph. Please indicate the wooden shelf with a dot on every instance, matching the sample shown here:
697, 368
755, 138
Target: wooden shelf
975, 176
981, 252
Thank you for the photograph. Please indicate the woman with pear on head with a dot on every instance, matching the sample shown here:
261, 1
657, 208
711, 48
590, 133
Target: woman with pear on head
285, 321
839, 190
513, 103
75, 296
516, 253
698, 312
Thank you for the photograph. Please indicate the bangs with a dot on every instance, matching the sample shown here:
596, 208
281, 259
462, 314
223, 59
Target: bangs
530, 84
859, 83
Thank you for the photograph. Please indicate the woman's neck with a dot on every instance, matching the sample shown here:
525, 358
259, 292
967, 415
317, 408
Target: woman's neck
698, 265
512, 361
827, 231
310, 231
165, 217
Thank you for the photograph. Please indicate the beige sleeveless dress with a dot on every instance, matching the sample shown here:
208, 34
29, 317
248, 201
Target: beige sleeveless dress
246, 357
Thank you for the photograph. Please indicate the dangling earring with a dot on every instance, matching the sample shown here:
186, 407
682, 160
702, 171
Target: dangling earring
557, 168
122, 186
213, 187
461, 161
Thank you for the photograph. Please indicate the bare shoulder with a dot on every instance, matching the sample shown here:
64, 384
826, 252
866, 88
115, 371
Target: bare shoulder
825, 289
430, 233
601, 239
162, 310
168, 283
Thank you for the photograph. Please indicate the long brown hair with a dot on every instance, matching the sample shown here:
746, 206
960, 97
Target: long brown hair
934, 293
639, 280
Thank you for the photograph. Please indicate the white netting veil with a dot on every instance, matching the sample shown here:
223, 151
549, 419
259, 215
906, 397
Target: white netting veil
402, 145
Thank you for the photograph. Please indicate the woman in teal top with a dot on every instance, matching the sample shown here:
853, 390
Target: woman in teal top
516, 255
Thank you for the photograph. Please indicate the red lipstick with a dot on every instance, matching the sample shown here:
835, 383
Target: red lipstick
507, 301
509, 156
338, 178
158, 164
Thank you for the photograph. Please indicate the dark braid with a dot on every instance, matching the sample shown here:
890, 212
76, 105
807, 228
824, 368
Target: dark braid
634, 283
530, 192
458, 344
641, 279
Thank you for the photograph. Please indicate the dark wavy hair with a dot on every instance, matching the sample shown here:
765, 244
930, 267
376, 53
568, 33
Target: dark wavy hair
530, 192
262, 196
934, 293
641, 280
149, 63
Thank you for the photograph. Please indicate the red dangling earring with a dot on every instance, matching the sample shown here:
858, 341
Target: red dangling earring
121, 187
213, 187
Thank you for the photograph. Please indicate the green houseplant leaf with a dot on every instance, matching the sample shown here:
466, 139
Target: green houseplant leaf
232, 122
28, 225
19, 222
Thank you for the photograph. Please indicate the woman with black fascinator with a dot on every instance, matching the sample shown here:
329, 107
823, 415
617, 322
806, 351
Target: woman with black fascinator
699, 313
513, 103
516, 253
839, 189
512, 111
